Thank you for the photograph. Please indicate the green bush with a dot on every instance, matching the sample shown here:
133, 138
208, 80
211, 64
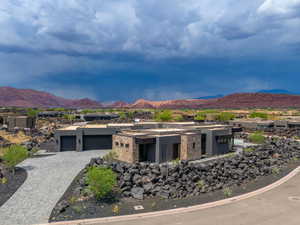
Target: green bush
101, 181
32, 112
275, 171
70, 117
249, 150
164, 116
257, 138
227, 192
14, 155
200, 184
225, 116
122, 115
200, 116
179, 118
259, 115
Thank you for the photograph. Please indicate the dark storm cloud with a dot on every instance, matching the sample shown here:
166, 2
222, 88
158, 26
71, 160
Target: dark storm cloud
149, 48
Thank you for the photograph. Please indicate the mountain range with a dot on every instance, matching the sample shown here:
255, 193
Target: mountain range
266, 98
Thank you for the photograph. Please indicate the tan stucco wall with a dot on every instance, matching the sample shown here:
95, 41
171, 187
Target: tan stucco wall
126, 154
187, 151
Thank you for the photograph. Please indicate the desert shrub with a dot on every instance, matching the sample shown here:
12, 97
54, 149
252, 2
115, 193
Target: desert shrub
175, 161
225, 116
14, 155
3, 180
249, 149
59, 109
32, 112
227, 192
130, 114
116, 209
257, 138
208, 111
178, 118
101, 181
200, 184
86, 111
70, 117
111, 156
122, 115
259, 115
200, 116
164, 116
230, 155
275, 171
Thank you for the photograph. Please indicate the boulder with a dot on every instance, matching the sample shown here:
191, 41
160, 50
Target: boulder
137, 193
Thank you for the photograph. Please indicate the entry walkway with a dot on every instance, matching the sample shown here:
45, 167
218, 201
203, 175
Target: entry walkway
48, 178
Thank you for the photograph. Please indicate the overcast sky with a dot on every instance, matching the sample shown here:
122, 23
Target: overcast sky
154, 49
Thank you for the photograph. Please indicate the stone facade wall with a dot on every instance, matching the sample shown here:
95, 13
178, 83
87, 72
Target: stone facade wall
190, 147
126, 148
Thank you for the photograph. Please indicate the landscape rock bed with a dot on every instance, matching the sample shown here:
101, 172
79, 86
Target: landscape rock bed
12, 183
142, 180
67, 209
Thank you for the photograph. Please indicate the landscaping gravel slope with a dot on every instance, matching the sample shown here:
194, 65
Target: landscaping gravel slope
48, 178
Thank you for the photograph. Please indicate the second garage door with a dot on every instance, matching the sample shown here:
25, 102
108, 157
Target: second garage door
97, 142
68, 143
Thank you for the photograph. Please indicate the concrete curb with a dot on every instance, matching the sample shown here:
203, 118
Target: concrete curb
180, 210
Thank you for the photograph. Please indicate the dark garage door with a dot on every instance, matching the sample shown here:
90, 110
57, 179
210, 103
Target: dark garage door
97, 142
68, 143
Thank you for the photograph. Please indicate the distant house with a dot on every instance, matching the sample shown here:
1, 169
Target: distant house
96, 117
20, 122
49, 114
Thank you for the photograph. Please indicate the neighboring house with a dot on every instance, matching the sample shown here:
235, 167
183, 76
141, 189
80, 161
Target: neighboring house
20, 122
255, 124
50, 114
259, 124
97, 117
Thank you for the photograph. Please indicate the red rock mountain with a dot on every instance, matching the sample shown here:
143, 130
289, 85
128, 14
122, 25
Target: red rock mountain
241, 100
118, 104
31, 98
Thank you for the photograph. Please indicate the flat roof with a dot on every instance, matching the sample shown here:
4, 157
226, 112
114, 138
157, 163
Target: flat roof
120, 124
252, 121
69, 128
94, 126
165, 130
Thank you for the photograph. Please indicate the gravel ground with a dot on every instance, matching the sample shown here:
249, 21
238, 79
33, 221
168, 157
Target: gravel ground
13, 183
48, 178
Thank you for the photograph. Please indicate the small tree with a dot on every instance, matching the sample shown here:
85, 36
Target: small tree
101, 181
257, 138
13, 155
178, 118
200, 116
32, 112
122, 115
259, 115
69, 117
225, 116
164, 116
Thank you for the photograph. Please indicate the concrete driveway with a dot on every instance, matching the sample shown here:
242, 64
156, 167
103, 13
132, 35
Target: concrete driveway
48, 178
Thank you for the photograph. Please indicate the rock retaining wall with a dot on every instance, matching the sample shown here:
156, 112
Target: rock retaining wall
185, 179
